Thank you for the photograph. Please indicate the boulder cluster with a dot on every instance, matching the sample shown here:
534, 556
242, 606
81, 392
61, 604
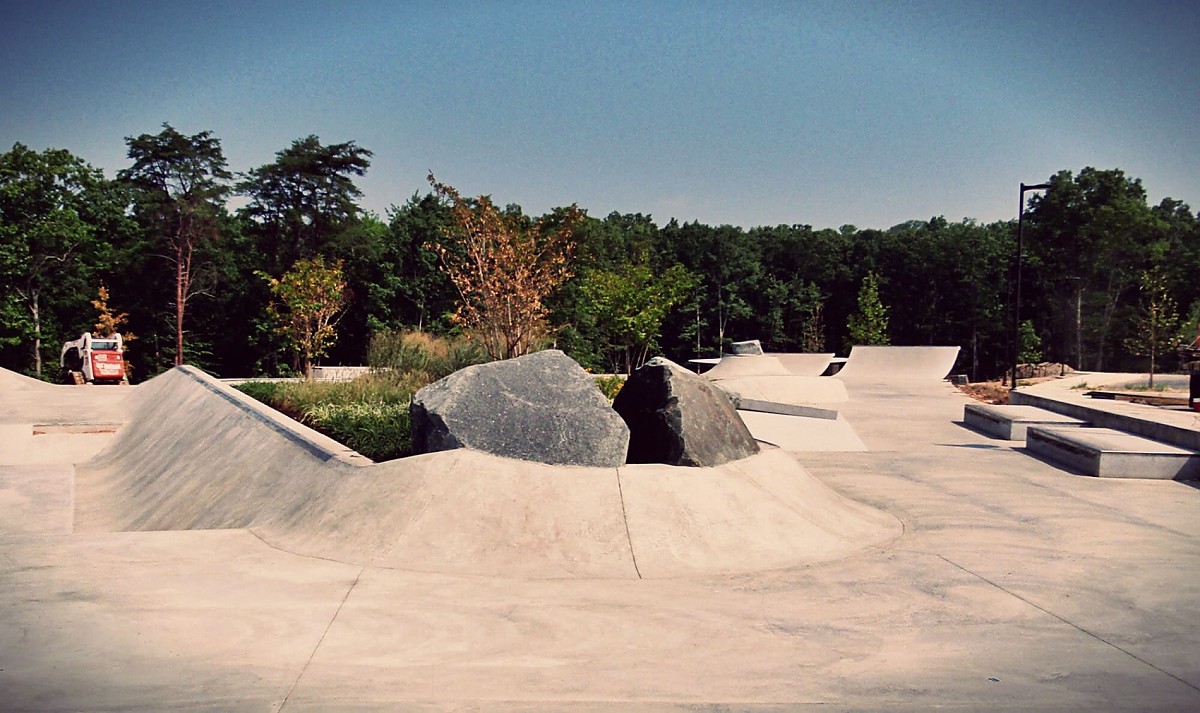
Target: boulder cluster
544, 407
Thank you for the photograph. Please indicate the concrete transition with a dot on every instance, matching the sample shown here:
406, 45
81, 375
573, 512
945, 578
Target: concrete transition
542, 407
795, 390
734, 366
899, 363
805, 364
199, 455
678, 418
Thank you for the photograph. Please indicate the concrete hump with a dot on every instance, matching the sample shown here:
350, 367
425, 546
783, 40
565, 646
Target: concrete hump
197, 454
884, 364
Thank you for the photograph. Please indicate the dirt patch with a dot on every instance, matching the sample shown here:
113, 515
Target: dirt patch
988, 392
996, 392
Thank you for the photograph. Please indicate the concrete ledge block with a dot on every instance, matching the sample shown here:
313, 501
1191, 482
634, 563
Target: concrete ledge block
1010, 422
1106, 453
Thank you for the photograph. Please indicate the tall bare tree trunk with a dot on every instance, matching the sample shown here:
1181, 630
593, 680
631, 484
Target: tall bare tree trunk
35, 310
180, 295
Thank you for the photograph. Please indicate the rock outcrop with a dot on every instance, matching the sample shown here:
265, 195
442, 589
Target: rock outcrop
679, 418
541, 407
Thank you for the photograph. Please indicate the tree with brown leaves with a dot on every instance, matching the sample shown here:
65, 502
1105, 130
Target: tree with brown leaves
504, 269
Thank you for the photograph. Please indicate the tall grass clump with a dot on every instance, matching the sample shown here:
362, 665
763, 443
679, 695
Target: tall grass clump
422, 355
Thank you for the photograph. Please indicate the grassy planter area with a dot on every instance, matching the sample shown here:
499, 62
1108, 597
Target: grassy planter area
369, 414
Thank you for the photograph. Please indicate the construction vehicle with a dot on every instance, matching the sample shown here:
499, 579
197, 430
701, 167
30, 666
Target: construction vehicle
93, 360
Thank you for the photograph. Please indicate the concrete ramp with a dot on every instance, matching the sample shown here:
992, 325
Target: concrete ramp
884, 364
795, 390
800, 434
200, 455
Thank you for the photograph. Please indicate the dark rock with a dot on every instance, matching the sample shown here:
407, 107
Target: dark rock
751, 347
541, 407
679, 418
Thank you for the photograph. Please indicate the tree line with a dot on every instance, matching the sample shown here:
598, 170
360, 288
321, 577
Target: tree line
199, 282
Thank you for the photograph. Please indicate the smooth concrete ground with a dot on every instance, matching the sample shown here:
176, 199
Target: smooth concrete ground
1016, 586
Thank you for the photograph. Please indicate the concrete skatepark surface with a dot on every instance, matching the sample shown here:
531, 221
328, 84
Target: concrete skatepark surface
1014, 586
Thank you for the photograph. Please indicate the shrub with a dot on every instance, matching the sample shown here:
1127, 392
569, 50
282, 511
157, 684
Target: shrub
610, 385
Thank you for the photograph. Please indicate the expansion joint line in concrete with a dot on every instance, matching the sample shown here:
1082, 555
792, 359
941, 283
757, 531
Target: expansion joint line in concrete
1069, 623
320, 641
625, 519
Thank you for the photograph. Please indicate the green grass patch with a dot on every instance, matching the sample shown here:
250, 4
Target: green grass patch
369, 414
1160, 387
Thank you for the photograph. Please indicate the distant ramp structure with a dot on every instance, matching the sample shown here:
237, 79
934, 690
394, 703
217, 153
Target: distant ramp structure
886, 364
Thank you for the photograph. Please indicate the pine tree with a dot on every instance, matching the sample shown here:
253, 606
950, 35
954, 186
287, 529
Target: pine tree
869, 326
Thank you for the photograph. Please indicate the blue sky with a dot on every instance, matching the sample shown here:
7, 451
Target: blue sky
758, 113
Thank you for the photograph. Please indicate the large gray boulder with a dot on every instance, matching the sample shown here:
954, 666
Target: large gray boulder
541, 407
679, 418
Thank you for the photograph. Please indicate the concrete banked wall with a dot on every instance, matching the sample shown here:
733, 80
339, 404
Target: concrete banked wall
197, 454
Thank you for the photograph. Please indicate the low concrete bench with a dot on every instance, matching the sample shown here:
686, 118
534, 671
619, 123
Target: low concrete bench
1011, 422
1106, 453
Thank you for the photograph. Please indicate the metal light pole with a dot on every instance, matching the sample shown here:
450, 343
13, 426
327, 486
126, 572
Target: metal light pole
1016, 324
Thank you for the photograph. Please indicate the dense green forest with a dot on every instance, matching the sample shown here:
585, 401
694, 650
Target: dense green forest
160, 238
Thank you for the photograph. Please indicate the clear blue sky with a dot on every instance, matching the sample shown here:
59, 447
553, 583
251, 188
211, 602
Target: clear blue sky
755, 113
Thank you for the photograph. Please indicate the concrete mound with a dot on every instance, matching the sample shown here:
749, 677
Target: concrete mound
12, 381
199, 455
886, 364
30, 401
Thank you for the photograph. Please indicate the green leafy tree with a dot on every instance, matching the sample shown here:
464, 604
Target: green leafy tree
421, 293
304, 200
1031, 344
50, 247
1156, 322
181, 184
869, 325
1088, 238
309, 300
630, 306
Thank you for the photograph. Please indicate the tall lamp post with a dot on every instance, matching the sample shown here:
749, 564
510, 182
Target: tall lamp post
1016, 323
